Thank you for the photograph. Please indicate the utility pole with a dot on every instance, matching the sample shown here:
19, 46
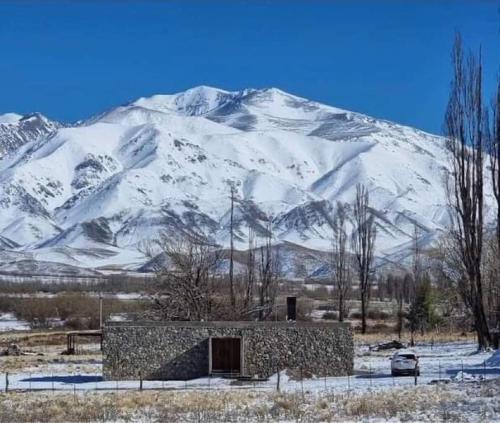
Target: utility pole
231, 254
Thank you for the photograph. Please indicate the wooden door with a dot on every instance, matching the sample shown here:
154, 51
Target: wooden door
226, 355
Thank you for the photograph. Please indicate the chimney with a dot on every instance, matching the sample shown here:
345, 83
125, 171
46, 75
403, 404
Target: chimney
291, 308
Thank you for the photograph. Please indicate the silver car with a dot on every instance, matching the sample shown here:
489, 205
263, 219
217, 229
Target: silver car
405, 362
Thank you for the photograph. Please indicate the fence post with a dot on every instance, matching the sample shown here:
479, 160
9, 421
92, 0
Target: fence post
6, 381
462, 370
140, 381
370, 370
278, 380
302, 382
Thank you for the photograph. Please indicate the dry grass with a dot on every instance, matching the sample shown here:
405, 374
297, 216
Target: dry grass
33, 338
129, 406
82, 363
45, 348
423, 404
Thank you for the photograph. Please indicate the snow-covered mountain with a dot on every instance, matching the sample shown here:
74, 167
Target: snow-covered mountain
88, 194
17, 130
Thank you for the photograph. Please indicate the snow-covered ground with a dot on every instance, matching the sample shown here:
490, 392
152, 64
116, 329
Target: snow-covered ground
9, 322
443, 361
70, 388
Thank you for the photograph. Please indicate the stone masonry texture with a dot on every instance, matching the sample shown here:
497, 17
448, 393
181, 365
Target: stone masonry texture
180, 350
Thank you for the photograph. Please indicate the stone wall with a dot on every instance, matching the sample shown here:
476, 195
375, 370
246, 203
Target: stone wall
180, 350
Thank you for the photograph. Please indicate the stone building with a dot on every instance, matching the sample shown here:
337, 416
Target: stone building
186, 350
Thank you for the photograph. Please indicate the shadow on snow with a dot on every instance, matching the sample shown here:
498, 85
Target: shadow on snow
72, 379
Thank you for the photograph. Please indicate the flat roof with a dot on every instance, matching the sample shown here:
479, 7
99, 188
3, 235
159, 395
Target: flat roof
227, 324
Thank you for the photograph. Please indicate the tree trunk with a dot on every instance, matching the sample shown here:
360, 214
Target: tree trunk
363, 245
363, 313
400, 319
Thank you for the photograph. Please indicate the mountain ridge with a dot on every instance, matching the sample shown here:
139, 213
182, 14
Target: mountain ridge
166, 162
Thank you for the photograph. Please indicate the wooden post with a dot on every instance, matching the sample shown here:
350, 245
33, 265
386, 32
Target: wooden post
6, 381
370, 370
210, 356
302, 382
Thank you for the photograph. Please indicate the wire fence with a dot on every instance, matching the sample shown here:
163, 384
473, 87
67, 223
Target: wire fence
368, 380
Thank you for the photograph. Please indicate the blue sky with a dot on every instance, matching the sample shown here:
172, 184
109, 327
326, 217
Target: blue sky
389, 59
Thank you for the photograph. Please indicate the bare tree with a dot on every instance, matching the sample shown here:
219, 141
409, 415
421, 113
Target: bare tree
493, 263
494, 154
491, 277
417, 255
341, 261
250, 273
269, 271
363, 245
382, 290
465, 127
448, 275
417, 273
186, 279
395, 291
400, 295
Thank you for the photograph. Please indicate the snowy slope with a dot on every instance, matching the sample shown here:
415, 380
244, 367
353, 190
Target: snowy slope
167, 161
17, 130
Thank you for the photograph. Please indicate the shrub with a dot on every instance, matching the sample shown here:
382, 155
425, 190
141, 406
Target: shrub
318, 293
74, 310
327, 307
378, 315
355, 315
371, 314
330, 315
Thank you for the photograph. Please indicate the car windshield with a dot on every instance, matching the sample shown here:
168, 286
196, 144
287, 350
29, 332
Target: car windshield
407, 356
